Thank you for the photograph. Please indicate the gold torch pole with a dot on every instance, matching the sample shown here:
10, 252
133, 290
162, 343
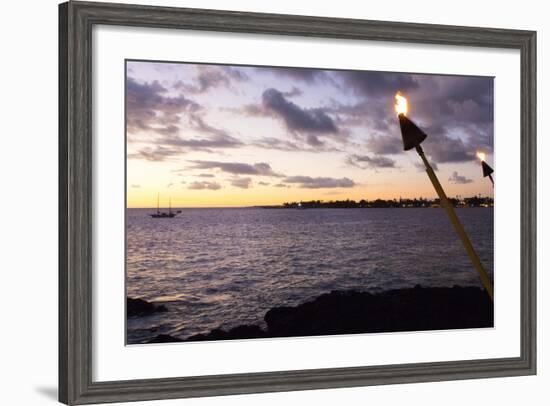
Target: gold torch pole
412, 137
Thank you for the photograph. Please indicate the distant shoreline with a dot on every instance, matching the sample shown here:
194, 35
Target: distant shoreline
467, 202
283, 207
276, 207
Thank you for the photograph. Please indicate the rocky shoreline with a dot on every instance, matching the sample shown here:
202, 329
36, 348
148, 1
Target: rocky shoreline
351, 312
140, 307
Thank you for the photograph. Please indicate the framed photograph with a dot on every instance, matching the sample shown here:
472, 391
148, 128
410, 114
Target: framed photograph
257, 202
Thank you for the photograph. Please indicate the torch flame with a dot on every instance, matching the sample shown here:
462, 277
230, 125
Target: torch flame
481, 155
401, 104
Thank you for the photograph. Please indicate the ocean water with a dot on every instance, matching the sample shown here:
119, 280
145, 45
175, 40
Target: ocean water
226, 267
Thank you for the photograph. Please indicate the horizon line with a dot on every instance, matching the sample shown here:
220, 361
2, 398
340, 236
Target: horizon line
301, 201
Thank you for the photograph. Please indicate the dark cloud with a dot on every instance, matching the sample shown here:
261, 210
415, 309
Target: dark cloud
300, 74
280, 185
293, 92
442, 148
200, 144
366, 161
276, 143
375, 84
307, 182
205, 175
204, 185
310, 143
237, 168
385, 145
422, 168
457, 114
459, 179
243, 183
199, 124
236, 73
314, 141
156, 154
210, 77
455, 111
261, 183
148, 107
297, 119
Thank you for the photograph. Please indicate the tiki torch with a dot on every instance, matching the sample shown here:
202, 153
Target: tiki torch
412, 138
487, 170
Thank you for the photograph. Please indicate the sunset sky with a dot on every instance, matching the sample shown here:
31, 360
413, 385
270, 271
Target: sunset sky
220, 136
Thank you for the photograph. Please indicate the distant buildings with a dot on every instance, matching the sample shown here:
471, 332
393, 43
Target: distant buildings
474, 201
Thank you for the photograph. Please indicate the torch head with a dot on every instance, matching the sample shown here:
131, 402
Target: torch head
487, 170
412, 135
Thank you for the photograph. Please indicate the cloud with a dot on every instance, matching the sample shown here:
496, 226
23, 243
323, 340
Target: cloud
457, 114
237, 168
210, 77
293, 92
205, 175
276, 143
385, 145
148, 107
366, 161
171, 146
442, 148
135, 186
236, 73
310, 143
301, 74
199, 125
280, 185
261, 183
459, 179
204, 185
157, 154
243, 183
207, 78
200, 144
422, 168
297, 119
455, 111
307, 182
374, 84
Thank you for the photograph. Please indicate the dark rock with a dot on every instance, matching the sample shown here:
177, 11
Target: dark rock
413, 309
164, 338
350, 312
240, 332
140, 307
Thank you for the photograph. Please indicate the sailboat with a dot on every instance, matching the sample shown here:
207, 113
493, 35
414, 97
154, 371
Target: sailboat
162, 214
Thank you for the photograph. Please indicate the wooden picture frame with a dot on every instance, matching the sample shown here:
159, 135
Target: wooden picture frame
76, 20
